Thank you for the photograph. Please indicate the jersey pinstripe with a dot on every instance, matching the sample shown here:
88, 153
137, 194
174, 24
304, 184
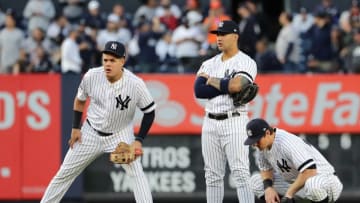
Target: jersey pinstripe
111, 109
103, 112
215, 67
290, 155
222, 140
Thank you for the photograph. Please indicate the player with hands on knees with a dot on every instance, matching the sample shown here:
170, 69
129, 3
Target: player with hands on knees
289, 167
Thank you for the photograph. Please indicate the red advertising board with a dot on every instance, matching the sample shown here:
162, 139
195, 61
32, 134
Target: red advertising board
298, 103
30, 121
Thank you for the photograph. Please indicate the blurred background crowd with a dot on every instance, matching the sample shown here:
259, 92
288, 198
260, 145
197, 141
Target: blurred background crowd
164, 37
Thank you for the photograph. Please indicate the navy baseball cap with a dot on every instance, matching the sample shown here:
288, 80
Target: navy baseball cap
226, 27
255, 130
114, 48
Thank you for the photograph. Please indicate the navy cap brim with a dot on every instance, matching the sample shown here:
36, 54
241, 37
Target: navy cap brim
221, 32
112, 53
252, 140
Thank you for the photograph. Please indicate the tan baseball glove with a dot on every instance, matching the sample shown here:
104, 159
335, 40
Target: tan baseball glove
124, 154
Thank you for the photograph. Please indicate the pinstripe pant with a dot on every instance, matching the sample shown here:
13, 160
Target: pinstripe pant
82, 154
222, 141
316, 188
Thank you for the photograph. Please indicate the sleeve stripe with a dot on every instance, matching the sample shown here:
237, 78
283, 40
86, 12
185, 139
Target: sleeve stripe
148, 106
306, 164
247, 74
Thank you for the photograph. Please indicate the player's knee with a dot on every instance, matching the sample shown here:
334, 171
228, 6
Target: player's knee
240, 177
64, 175
256, 185
314, 192
213, 179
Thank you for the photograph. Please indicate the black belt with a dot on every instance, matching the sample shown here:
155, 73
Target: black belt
98, 131
222, 116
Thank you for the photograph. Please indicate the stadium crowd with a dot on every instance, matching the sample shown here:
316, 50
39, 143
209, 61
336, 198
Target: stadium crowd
164, 37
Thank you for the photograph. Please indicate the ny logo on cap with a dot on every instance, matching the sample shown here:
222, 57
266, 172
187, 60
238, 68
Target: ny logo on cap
221, 24
249, 133
113, 46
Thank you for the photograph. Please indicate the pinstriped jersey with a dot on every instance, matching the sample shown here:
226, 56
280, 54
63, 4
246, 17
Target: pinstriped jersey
112, 105
231, 67
291, 155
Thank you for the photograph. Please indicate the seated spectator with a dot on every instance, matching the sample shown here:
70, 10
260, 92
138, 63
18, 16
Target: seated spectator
145, 12
11, 40
266, 59
166, 5
73, 10
58, 29
41, 63
351, 54
94, 18
39, 13
330, 9
125, 17
168, 19
22, 65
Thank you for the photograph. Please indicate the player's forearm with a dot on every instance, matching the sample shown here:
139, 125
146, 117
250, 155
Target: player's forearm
145, 126
79, 105
299, 182
267, 174
204, 91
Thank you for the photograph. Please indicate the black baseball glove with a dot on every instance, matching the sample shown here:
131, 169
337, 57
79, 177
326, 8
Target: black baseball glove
247, 93
287, 200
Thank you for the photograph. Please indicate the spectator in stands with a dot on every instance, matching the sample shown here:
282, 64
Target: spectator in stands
168, 18
125, 17
145, 12
166, 6
22, 65
73, 10
2, 18
41, 63
113, 32
266, 59
188, 38
71, 61
149, 34
249, 30
216, 15
94, 18
321, 57
328, 7
351, 54
88, 47
349, 20
58, 29
11, 40
287, 45
35, 40
39, 13
166, 50
192, 5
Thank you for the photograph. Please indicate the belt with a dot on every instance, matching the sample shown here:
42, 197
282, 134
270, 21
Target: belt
98, 131
222, 116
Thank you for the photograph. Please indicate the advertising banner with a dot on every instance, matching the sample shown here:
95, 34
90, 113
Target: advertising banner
29, 133
174, 167
299, 103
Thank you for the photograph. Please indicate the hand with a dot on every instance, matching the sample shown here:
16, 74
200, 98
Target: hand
137, 148
287, 200
75, 137
271, 196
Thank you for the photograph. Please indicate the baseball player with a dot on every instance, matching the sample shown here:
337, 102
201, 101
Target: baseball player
289, 167
114, 94
223, 130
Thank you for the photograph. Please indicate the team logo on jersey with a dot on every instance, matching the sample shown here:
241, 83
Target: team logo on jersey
284, 167
123, 103
229, 74
113, 46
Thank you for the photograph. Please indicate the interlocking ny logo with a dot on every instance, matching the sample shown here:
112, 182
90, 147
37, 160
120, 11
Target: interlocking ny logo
284, 166
113, 46
124, 103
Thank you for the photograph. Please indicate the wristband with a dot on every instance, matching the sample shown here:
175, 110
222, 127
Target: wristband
77, 119
267, 183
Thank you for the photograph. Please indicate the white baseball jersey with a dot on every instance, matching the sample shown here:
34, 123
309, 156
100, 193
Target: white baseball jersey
111, 110
222, 140
291, 155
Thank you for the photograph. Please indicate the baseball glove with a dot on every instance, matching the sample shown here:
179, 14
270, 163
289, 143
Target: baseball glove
124, 154
247, 94
287, 200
